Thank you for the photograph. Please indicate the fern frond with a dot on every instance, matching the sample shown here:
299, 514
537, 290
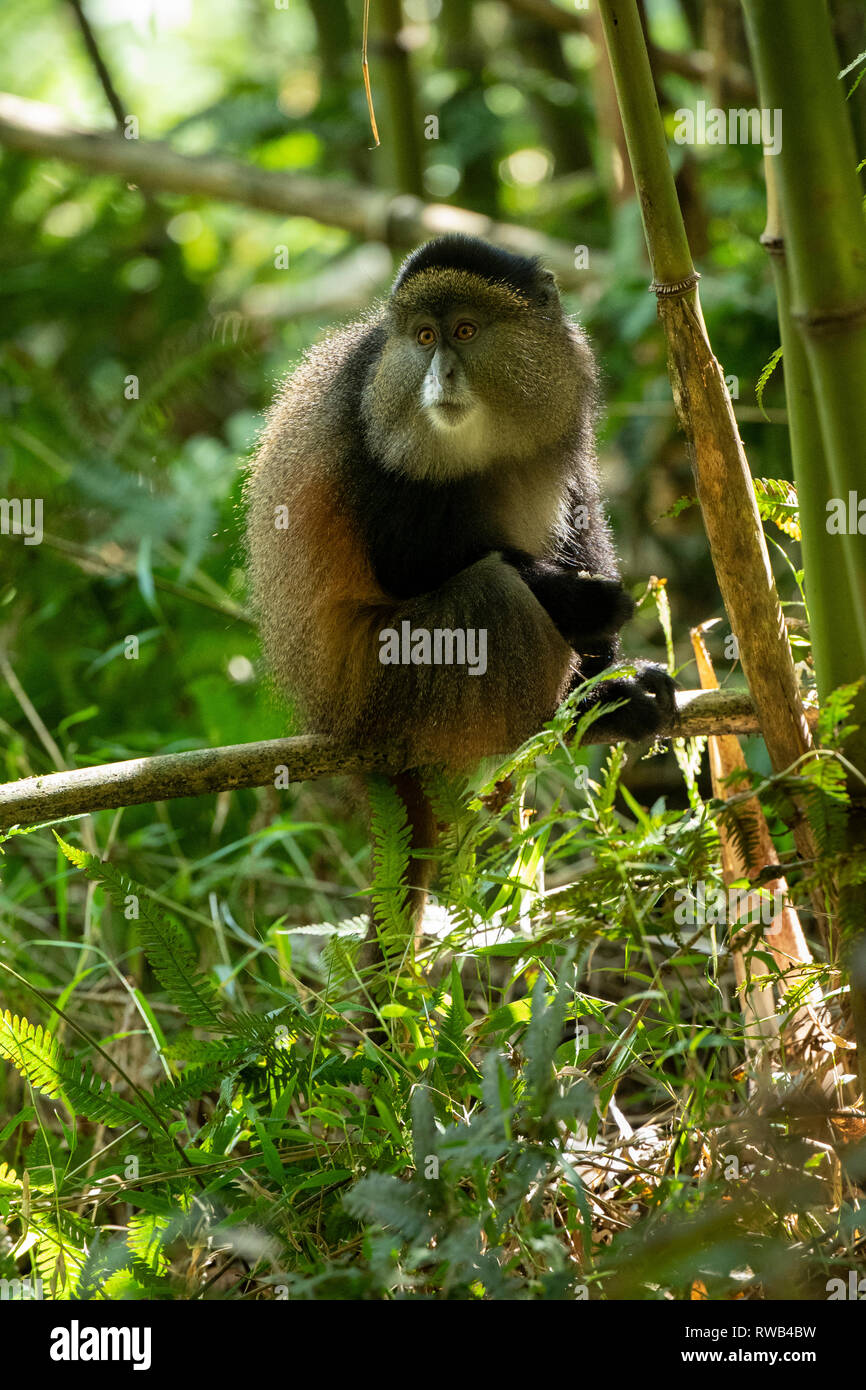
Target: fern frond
145, 1237
194, 1082
766, 373
260, 1031
391, 836
185, 1048
544, 1032
452, 1044
170, 959
448, 793
465, 832
8, 1177
340, 951
40, 1059
777, 502
834, 716
386, 1201
60, 1252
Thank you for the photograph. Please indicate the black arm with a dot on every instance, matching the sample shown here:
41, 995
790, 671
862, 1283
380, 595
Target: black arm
588, 609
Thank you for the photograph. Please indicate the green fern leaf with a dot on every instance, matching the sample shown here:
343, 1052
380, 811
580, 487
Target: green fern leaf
453, 1045
391, 836
170, 959
194, 1082
185, 1048
41, 1060
766, 373
544, 1033
777, 502
386, 1201
145, 1237
8, 1177
60, 1252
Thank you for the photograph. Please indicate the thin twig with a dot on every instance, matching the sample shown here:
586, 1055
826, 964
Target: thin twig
99, 65
365, 68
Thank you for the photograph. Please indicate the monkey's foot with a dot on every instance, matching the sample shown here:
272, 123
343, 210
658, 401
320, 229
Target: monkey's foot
650, 708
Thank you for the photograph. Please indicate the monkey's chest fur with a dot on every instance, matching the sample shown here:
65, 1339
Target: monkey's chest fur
420, 534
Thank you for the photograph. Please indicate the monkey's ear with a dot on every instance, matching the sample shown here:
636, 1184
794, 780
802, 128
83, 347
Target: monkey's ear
547, 291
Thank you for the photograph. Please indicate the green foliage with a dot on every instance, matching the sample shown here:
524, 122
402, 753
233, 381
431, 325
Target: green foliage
42, 1062
189, 1108
391, 836
767, 372
471, 1158
777, 502
171, 961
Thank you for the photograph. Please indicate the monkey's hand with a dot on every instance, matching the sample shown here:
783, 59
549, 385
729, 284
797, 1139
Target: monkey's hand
587, 609
650, 707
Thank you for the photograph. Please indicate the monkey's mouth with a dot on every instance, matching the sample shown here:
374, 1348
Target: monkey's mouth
449, 412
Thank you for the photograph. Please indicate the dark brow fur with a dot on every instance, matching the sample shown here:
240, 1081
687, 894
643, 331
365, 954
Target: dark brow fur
456, 252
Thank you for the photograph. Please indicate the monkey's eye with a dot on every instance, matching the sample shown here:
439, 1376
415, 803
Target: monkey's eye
464, 331
426, 337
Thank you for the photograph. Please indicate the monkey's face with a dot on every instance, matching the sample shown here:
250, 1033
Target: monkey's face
445, 357
471, 374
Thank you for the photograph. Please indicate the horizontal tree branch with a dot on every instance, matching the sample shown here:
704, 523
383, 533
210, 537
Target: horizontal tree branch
399, 220
58, 795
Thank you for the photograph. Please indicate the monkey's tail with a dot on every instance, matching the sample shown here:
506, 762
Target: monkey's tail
375, 953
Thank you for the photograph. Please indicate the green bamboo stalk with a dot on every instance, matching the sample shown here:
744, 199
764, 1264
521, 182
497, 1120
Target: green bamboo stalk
820, 549
722, 476
825, 242
825, 239
400, 129
635, 89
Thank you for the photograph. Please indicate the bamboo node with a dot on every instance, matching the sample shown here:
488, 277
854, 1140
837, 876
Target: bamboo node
774, 245
670, 288
830, 320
